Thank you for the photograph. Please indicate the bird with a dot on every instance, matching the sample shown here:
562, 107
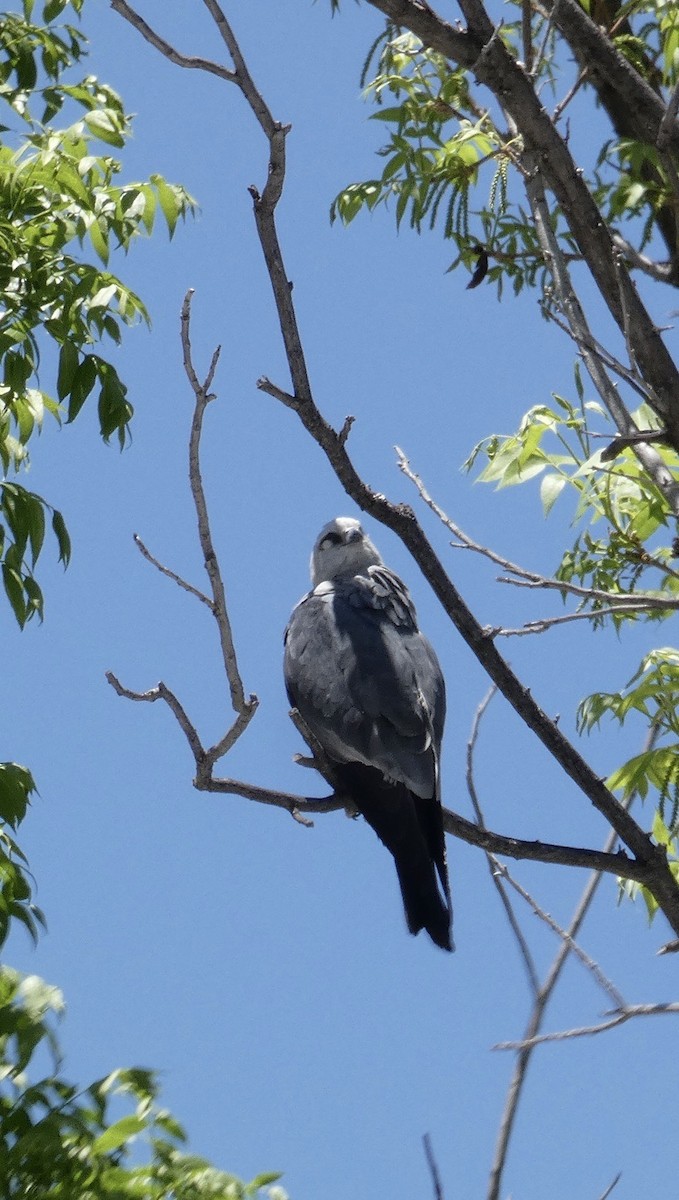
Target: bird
369, 688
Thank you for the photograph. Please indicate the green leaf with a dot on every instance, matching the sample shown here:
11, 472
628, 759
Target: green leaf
263, 1180
551, 487
84, 379
14, 590
105, 124
63, 539
99, 238
118, 1134
16, 786
169, 204
68, 365
36, 526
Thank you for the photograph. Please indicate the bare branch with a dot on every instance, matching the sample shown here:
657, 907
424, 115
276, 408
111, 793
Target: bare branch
619, 864
538, 1012
188, 587
175, 56
242, 75
663, 272
542, 624
162, 692
577, 950
244, 708
433, 1168
618, 1018
605, 1194
524, 950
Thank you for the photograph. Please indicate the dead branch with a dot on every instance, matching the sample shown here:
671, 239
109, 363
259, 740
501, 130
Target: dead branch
524, 949
617, 1017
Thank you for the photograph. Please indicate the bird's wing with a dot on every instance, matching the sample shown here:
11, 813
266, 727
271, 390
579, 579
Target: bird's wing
365, 679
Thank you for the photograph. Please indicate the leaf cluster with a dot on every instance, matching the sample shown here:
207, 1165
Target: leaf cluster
621, 517
59, 198
619, 512
444, 148
653, 693
440, 145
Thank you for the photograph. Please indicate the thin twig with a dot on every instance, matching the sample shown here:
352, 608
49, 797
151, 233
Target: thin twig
542, 624
604, 1195
531, 579
604, 982
537, 1015
666, 125
570, 94
170, 52
244, 708
527, 34
524, 950
433, 1167
182, 583
162, 692
618, 1018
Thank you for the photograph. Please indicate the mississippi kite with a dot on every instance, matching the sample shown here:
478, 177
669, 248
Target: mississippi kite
369, 686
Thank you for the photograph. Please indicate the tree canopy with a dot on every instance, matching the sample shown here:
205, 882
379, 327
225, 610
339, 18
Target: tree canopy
540, 142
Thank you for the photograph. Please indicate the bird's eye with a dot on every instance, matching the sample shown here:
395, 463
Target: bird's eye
331, 539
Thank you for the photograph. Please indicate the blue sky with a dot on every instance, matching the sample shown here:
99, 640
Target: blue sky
262, 968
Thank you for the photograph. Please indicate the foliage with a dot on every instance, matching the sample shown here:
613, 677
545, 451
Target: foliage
618, 501
444, 148
439, 143
58, 198
62, 1141
621, 517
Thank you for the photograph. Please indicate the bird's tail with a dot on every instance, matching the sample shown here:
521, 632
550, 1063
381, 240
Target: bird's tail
412, 830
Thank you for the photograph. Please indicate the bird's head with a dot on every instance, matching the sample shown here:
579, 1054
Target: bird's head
342, 548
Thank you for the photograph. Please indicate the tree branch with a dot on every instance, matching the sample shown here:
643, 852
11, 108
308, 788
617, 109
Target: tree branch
174, 56
618, 1017
524, 949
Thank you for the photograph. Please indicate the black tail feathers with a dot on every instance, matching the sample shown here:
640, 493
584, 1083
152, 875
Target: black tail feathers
412, 830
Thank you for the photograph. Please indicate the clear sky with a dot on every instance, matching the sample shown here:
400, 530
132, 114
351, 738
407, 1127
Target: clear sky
265, 969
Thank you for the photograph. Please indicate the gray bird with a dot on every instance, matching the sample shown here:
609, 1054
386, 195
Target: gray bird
369, 687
